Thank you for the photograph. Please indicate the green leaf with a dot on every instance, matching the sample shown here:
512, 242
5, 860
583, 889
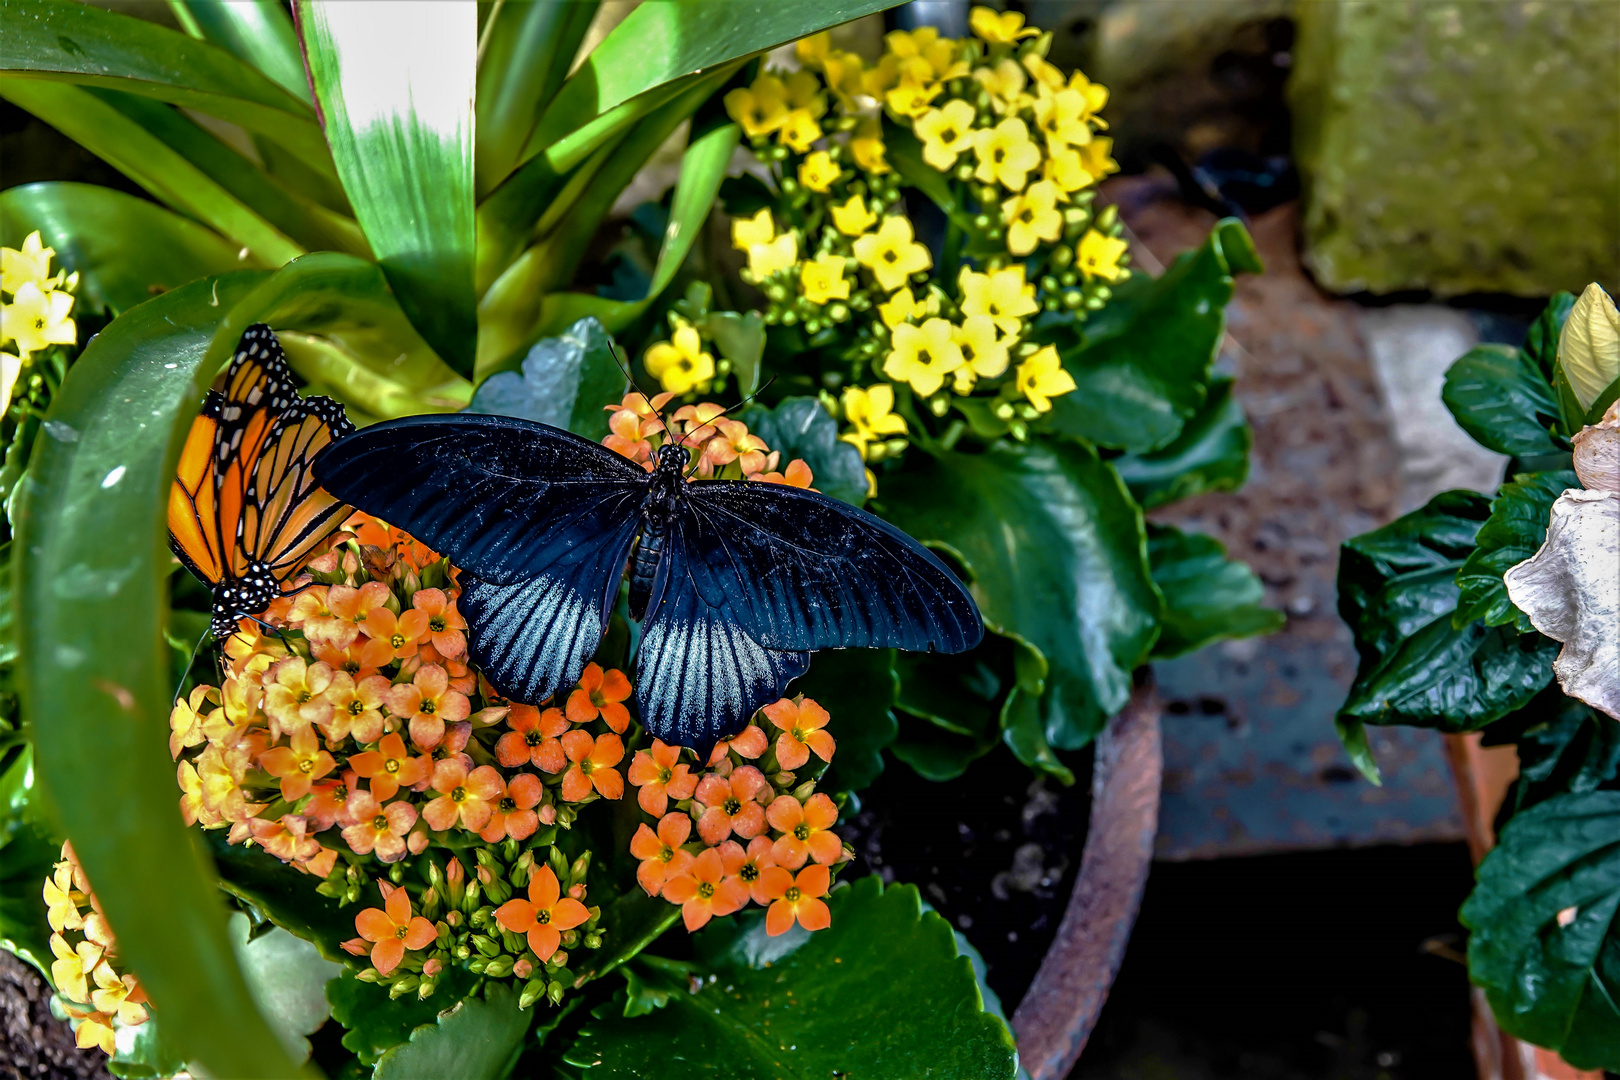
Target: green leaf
478, 1039
396, 100
1353, 734
1563, 746
373, 1023
857, 687
566, 382
1210, 454
1142, 367
283, 896
904, 152
257, 31
90, 571
1065, 569
740, 338
82, 44
1542, 937
145, 1054
1600, 405
151, 163
1501, 397
125, 250
287, 977
632, 921
882, 992
799, 427
526, 52
1207, 597
28, 853
1515, 531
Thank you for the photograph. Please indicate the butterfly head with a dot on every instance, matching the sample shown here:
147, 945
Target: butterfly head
672, 458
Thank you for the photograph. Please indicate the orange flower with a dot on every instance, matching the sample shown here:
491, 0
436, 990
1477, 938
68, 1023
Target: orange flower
798, 475
544, 915
428, 703
748, 743
293, 694
630, 435
600, 694
95, 1029
708, 888
734, 443
393, 637
390, 767
796, 899
445, 624
287, 839
638, 403
312, 613
731, 803
533, 739
328, 801
660, 853
379, 829
661, 776
514, 814
187, 718
393, 929
353, 605
350, 660
751, 864
118, 995
802, 727
463, 795
356, 707
297, 766
461, 676
593, 761
699, 421
804, 830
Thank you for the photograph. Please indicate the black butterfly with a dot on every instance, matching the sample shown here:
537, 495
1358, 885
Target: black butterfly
735, 581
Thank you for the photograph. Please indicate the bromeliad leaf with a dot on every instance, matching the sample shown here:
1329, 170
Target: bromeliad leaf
288, 978
1515, 531
374, 1022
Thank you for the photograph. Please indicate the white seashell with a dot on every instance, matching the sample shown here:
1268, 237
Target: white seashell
1589, 346
1570, 589
1597, 452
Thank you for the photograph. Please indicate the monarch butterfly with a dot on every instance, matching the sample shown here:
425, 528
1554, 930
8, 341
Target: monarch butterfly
245, 510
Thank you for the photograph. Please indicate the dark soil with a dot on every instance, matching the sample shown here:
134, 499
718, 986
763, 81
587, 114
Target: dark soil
995, 851
33, 1043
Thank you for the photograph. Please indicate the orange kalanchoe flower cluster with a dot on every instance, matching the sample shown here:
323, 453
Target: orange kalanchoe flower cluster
760, 834
95, 993
721, 447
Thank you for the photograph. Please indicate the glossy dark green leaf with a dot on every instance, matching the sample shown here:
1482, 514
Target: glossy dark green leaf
125, 250
90, 570
1600, 405
373, 1022
1207, 597
396, 102
1501, 398
1353, 734
477, 1039
857, 688
1429, 541
80, 43
799, 427
1143, 365
151, 163
283, 896
1210, 454
740, 338
632, 921
882, 993
1563, 746
287, 977
527, 48
566, 382
259, 32
1543, 940
1514, 532
28, 853
1065, 568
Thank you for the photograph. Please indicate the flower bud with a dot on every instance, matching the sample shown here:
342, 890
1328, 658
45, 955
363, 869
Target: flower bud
454, 917
477, 964
404, 986
425, 990
577, 891
554, 992
533, 991
559, 959
1589, 345
485, 945
593, 941
369, 975
548, 814
497, 890
523, 968
1107, 218
939, 405
463, 952
577, 871
469, 900
432, 967
455, 878
499, 968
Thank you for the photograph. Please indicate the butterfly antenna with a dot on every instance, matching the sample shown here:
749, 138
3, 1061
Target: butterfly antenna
186, 674
631, 379
731, 408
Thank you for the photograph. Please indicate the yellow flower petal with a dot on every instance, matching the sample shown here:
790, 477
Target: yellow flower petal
853, 217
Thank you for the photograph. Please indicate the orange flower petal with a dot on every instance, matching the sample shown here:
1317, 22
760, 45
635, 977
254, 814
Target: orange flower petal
544, 889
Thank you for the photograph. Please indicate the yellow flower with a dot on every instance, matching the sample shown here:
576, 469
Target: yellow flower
812, 51
1094, 157
1099, 256
10, 369
1000, 28
817, 172
1062, 117
876, 81
1095, 94
1047, 76
899, 308
1005, 154
1005, 83
61, 910
759, 229
760, 109
95, 1029
984, 352
32, 262
853, 217
1066, 168
945, 132
843, 71
766, 259
924, 43
680, 364
1003, 295
891, 253
799, 131
1033, 216
822, 279
923, 355
871, 415
112, 996
36, 319
804, 92
1589, 345
72, 967
1041, 378
911, 97
867, 146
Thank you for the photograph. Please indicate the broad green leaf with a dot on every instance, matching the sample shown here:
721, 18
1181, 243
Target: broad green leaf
1435, 538
566, 382
1563, 746
283, 896
396, 100
125, 250
1207, 597
1065, 569
632, 921
151, 163
1501, 398
90, 567
739, 338
287, 977
799, 427
882, 993
857, 688
82, 44
28, 852
373, 1022
1210, 454
257, 31
146, 1054
1542, 939
477, 1039
1143, 364
1515, 531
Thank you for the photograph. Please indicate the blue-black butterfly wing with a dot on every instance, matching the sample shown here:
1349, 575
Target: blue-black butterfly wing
801, 571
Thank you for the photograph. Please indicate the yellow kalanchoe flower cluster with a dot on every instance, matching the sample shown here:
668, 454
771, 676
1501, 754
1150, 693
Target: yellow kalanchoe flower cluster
841, 259
95, 992
35, 309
